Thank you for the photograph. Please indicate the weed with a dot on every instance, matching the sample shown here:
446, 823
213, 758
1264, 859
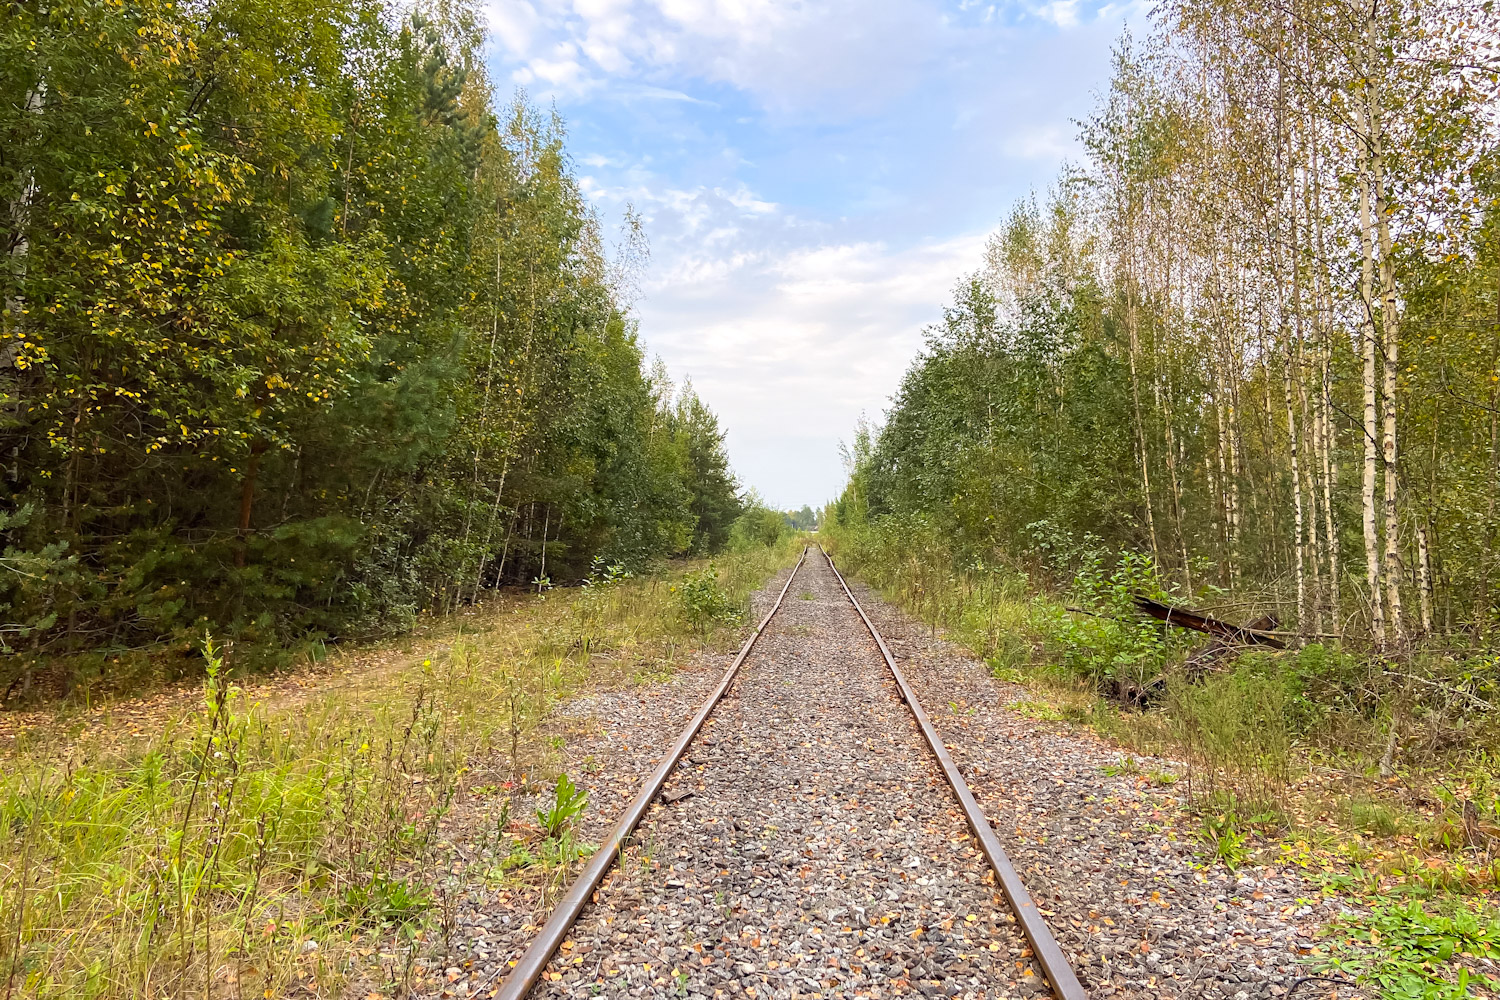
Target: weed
1124, 767
1001, 670
1035, 710
807, 595
1232, 729
1223, 839
568, 801
380, 900
705, 604
1413, 953
1375, 817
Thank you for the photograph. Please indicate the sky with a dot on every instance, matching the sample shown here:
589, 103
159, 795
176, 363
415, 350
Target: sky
814, 179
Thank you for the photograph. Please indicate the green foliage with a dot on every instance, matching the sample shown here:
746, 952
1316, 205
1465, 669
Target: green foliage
705, 603
381, 900
805, 519
568, 802
757, 525
246, 827
1412, 953
1223, 839
1114, 647
1234, 730
303, 336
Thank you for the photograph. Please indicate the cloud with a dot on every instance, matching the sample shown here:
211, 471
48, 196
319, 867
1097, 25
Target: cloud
1063, 13
814, 177
788, 331
788, 54
1046, 142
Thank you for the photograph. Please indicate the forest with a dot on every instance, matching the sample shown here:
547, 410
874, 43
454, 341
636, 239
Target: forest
1244, 355
304, 333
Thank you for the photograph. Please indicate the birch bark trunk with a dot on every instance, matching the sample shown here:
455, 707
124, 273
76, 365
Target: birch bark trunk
1368, 385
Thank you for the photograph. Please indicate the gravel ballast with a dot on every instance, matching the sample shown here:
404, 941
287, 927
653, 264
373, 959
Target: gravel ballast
807, 846
1111, 860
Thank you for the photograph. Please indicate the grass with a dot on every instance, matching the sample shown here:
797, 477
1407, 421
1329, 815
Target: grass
256, 846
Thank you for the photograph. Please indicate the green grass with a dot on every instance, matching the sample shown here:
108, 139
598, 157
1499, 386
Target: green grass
201, 857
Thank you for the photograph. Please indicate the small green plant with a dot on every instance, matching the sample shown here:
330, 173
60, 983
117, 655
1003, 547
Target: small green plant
1415, 954
1002, 670
1225, 842
381, 900
1126, 766
519, 857
1032, 709
568, 801
602, 574
1374, 817
807, 595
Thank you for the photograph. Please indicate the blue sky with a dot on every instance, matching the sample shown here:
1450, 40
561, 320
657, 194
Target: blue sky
814, 179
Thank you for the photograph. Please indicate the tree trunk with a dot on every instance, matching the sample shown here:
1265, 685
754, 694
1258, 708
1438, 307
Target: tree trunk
1391, 338
1132, 323
247, 502
1368, 384
1424, 579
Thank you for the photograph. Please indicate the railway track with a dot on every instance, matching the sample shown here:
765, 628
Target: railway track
529, 970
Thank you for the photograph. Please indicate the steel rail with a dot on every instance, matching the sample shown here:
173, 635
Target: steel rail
1049, 956
531, 964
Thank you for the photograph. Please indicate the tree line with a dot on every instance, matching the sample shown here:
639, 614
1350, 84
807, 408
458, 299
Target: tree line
1254, 335
303, 334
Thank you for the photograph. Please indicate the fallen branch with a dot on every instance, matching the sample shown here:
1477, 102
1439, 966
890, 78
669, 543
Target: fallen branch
1183, 618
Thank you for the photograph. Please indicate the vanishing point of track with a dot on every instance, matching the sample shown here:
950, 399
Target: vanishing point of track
1054, 965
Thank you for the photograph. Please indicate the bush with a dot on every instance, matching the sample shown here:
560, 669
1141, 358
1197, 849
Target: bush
704, 603
757, 527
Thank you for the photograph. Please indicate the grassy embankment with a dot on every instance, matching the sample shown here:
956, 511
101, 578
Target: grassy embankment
1380, 779
198, 852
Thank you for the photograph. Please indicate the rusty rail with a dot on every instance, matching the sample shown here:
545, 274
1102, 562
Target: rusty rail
1049, 956
531, 965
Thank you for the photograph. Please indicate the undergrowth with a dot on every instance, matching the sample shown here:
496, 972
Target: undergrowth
251, 848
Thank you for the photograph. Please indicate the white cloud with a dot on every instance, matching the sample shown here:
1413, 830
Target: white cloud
788, 331
788, 54
801, 167
1063, 13
1047, 142
513, 23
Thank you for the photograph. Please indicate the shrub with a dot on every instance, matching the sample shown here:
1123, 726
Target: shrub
757, 527
704, 603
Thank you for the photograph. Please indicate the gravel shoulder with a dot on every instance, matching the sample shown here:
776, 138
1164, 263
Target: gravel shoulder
1110, 860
